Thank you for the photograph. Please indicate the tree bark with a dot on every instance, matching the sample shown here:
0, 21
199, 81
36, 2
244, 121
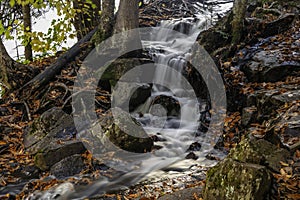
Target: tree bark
12, 73
128, 19
239, 13
127, 16
27, 29
5, 61
106, 23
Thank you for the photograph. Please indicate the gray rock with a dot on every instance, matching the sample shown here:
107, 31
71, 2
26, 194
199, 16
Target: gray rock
50, 138
266, 66
246, 172
68, 166
130, 95
234, 180
125, 132
57, 192
50, 124
186, 194
53, 153
268, 101
119, 67
249, 114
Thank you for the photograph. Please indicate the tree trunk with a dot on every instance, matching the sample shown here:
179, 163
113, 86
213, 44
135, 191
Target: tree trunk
239, 13
106, 25
86, 21
127, 16
5, 61
27, 29
12, 73
128, 19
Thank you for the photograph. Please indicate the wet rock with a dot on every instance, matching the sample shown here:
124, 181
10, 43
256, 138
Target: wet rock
170, 104
50, 138
59, 192
183, 27
129, 95
267, 66
191, 155
186, 194
120, 66
194, 147
68, 166
125, 132
230, 179
213, 39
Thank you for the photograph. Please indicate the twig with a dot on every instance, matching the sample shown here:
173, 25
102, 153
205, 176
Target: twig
63, 86
27, 110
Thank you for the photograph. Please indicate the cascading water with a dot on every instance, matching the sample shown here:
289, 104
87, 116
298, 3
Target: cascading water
170, 50
175, 127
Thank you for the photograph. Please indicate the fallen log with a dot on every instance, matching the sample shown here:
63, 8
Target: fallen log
49, 73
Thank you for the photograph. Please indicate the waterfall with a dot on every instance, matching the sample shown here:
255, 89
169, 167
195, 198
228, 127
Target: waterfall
173, 110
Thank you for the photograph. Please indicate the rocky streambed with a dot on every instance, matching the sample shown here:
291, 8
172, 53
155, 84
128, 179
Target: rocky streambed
261, 132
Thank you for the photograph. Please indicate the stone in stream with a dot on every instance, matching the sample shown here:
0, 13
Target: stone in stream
130, 95
125, 132
51, 138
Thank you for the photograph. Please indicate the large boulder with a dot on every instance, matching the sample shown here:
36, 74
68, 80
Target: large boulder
51, 138
234, 180
261, 152
119, 67
125, 132
130, 95
246, 172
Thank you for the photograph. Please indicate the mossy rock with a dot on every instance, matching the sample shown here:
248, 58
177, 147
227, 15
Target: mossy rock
261, 152
234, 180
119, 67
125, 132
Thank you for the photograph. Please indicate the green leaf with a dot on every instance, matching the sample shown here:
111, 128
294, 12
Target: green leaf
12, 3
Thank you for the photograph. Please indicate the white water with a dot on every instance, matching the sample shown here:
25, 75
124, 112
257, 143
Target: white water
170, 52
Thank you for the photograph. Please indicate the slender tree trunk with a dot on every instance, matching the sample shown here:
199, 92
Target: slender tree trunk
12, 73
106, 25
86, 21
127, 16
128, 19
27, 29
239, 13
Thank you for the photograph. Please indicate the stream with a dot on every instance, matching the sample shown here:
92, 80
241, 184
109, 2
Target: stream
177, 130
